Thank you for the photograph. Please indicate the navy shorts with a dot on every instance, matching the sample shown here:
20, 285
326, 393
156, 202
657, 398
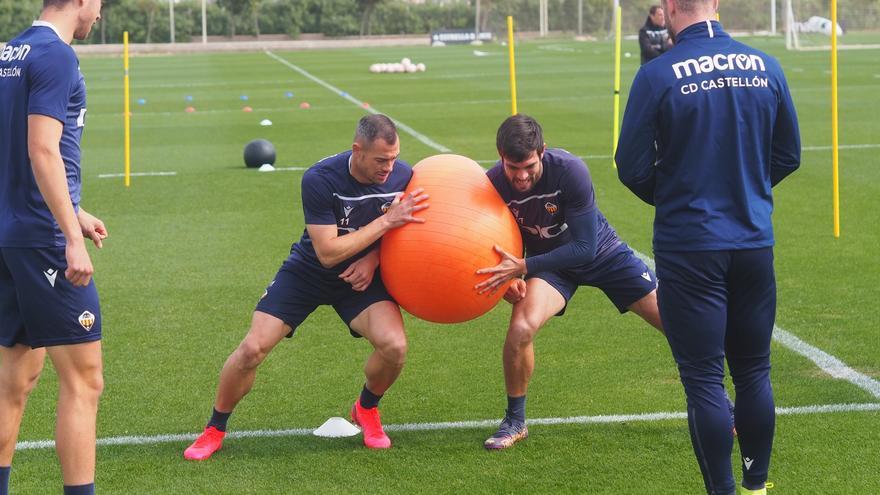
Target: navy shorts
38, 306
620, 274
298, 289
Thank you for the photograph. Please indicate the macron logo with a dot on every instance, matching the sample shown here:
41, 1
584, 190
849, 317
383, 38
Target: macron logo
12, 53
748, 462
50, 274
719, 61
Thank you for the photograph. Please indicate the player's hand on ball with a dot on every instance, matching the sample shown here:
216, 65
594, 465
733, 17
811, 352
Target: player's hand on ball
404, 206
510, 267
516, 292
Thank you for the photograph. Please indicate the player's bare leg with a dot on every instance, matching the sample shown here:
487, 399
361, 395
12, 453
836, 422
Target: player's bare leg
382, 325
240, 369
542, 301
237, 379
646, 307
81, 382
20, 368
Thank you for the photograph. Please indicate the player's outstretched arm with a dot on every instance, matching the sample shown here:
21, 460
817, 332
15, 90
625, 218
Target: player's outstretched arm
44, 138
333, 249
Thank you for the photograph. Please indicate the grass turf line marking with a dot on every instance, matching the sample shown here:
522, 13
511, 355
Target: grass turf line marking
842, 147
826, 362
137, 174
452, 425
421, 137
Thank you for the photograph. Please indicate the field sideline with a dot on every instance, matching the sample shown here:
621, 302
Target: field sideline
194, 242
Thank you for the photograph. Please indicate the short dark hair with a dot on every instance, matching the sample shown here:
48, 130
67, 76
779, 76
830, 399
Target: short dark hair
518, 136
55, 3
373, 127
654, 8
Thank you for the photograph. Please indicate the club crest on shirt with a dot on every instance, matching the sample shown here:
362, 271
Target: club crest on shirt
385, 207
551, 208
87, 320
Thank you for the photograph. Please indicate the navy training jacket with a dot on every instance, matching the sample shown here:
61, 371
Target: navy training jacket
709, 128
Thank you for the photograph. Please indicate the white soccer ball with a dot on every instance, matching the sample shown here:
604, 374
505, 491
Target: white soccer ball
374, 68
410, 68
420, 67
405, 61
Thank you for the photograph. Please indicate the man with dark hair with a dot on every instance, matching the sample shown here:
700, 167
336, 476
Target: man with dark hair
48, 300
349, 200
568, 242
654, 39
708, 131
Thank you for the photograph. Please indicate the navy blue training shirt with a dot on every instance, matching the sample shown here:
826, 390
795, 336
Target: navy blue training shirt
563, 193
331, 196
39, 75
709, 128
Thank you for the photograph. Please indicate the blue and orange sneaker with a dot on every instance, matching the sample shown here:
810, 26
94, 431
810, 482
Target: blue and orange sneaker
369, 421
510, 432
204, 447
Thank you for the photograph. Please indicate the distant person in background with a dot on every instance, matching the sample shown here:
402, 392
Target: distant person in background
654, 39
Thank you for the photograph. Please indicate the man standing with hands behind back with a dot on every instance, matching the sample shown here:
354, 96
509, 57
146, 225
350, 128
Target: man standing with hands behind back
708, 131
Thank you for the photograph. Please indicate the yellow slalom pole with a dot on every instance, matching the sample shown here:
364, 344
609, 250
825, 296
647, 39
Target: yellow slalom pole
835, 183
616, 127
512, 65
127, 111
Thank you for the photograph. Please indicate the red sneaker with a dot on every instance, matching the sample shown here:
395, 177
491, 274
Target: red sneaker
368, 419
208, 442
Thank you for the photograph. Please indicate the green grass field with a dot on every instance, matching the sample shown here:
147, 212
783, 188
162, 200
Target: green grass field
189, 255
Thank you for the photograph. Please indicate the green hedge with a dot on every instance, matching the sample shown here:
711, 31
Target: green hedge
147, 20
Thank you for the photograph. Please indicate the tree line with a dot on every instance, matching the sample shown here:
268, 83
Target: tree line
147, 21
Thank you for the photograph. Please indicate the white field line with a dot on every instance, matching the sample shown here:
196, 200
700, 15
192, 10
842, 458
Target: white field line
451, 425
136, 174
826, 362
421, 137
842, 147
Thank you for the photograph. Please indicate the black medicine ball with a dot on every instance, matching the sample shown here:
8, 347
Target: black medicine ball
259, 152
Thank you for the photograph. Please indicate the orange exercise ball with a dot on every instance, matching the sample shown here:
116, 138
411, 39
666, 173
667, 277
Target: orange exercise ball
430, 268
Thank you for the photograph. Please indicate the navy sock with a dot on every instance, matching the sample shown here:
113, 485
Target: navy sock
368, 399
4, 479
219, 419
88, 489
516, 408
